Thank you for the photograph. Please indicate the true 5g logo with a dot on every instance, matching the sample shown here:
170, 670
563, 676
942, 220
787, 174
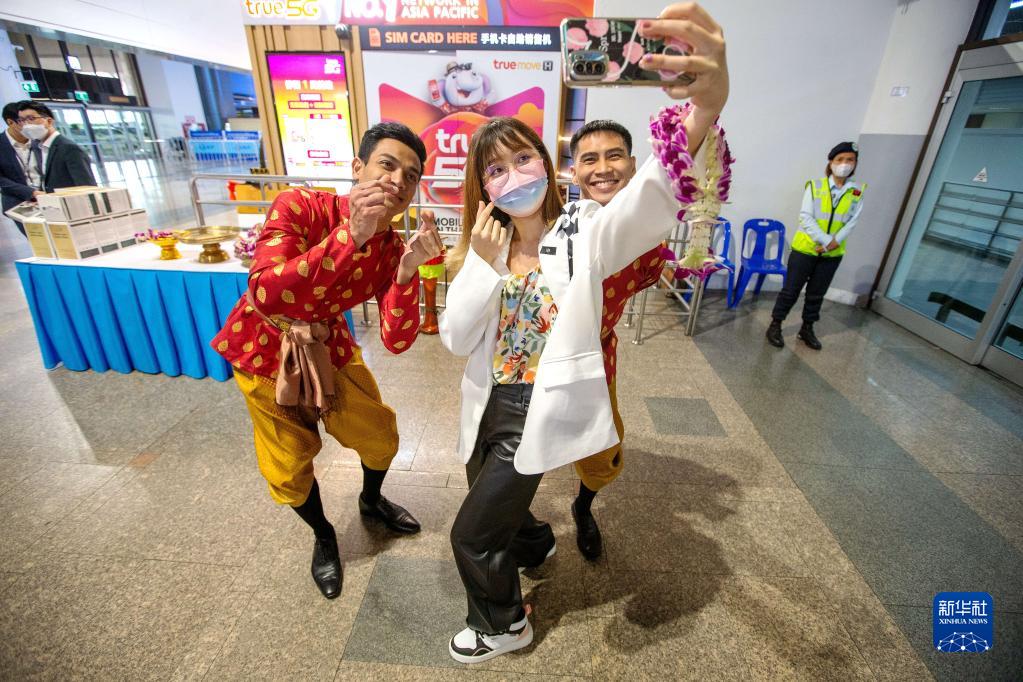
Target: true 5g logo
283, 9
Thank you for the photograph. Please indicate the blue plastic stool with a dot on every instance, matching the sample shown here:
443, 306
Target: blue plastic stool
726, 258
726, 255
757, 263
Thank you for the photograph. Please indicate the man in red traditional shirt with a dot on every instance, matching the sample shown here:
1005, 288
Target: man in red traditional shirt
294, 358
602, 164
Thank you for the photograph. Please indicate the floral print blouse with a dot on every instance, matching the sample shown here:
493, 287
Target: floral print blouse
527, 313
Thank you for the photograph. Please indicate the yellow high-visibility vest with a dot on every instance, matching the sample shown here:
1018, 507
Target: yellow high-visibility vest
829, 219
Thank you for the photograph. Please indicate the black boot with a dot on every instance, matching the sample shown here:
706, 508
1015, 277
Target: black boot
774, 334
807, 336
326, 568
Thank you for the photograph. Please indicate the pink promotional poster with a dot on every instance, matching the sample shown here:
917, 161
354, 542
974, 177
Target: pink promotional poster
446, 95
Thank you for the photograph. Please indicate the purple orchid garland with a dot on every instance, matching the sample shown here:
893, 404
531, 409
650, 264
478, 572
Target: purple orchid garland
670, 144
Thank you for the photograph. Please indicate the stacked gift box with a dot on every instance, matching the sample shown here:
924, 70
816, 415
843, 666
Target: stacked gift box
80, 222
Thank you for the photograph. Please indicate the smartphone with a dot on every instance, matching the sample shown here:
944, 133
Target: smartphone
501, 217
605, 51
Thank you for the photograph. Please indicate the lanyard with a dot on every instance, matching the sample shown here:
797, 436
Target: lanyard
570, 226
26, 165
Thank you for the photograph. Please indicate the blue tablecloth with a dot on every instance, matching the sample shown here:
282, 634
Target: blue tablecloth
154, 321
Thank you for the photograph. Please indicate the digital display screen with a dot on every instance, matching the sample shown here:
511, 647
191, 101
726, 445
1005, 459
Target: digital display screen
310, 93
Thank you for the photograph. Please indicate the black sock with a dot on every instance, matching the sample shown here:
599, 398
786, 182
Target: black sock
312, 513
371, 482
584, 500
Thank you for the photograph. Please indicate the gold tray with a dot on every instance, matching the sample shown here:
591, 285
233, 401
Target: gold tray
210, 236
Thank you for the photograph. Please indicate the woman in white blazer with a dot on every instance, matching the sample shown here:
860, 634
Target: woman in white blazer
525, 307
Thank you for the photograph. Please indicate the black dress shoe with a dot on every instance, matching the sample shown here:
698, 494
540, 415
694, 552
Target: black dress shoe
807, 336
327, 572
774, 336
395, 517
587, 535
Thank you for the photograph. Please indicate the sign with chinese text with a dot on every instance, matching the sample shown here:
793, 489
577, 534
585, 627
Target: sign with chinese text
963, 622
310, 93
414, 12
417, 39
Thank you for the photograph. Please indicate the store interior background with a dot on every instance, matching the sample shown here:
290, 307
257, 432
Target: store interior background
148, 74
192, 59
780, 119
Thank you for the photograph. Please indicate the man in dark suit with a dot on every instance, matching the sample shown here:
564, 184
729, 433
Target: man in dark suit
63, 163
14, 187
35, 158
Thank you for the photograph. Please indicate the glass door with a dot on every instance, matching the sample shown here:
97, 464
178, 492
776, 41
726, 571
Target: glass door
958, 267
1005, 354
70, 120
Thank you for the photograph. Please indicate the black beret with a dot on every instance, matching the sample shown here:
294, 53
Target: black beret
843, 147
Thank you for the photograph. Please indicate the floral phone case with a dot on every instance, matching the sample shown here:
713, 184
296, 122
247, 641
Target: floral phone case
602, 51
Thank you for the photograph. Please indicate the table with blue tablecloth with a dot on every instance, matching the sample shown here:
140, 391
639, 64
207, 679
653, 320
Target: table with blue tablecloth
128, 310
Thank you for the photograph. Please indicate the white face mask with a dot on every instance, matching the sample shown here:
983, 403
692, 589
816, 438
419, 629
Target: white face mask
34, 131
842, 170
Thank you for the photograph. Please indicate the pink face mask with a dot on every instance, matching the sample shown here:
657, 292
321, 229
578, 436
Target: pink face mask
521, 190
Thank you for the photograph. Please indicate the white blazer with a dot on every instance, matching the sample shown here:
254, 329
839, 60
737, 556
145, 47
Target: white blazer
569, 414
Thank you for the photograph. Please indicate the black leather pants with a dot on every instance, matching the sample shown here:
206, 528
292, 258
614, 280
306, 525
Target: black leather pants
494, 532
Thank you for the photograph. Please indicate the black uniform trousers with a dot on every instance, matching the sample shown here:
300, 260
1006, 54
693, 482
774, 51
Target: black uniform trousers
494, 532
816, 273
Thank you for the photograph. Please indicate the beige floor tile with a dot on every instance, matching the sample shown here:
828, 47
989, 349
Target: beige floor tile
801, 637
288, 630
30, 507
879, 640
169, 620
49, 610
357, 671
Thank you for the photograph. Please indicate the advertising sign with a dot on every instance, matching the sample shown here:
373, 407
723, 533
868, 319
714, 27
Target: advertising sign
285, 12
413, 12
310, 93
464, 12
417, 39
444, 97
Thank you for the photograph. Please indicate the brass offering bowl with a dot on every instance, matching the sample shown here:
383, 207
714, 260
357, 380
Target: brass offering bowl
210, 236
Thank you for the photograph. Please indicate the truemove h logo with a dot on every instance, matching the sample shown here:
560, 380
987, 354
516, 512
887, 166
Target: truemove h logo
365, 10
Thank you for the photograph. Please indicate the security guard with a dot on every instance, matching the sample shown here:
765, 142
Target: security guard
831, 206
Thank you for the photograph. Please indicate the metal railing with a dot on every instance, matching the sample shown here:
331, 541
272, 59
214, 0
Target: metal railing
309, 182
966, 233
678, 290
691, 287
147, 158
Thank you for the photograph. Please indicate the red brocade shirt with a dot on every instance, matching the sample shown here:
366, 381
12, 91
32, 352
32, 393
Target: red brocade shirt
644, 272
306, 267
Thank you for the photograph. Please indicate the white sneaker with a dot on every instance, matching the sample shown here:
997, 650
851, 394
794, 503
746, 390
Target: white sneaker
471, 646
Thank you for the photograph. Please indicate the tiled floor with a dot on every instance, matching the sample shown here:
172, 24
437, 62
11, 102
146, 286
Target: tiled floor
782, 515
